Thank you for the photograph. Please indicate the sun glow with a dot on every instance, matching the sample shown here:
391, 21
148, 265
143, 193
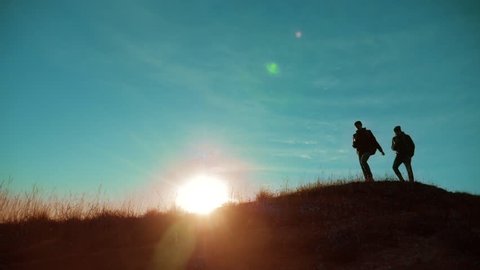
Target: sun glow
202, 194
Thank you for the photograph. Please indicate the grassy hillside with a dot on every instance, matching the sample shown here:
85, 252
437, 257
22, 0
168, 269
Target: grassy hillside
381, 225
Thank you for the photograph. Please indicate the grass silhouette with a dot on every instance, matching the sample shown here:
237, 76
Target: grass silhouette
345, 225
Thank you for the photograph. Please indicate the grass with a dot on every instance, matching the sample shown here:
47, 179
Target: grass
35, 204
337, 225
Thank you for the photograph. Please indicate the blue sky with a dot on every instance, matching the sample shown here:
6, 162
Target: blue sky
133, 95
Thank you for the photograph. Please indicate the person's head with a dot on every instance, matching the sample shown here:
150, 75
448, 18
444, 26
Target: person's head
358, 124
397, 130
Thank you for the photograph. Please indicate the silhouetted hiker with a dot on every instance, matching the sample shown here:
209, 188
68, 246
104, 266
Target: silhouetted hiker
366, 145
403, 144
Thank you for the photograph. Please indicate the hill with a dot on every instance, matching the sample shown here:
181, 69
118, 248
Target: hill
381, 225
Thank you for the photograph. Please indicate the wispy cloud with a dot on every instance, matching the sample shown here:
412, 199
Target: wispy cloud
294, 141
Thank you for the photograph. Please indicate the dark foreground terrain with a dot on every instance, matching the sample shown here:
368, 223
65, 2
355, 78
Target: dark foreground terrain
383, 225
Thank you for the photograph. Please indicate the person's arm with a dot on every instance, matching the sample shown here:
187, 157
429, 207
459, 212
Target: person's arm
394, 145
378, 145
380, 149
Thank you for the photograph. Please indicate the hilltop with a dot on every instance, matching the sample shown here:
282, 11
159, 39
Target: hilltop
381, 225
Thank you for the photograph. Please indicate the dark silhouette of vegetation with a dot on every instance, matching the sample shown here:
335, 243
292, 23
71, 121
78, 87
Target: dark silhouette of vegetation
356, 225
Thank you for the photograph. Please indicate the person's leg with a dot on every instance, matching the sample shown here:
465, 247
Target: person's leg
396, 164
408, 165
361, 166
365, 168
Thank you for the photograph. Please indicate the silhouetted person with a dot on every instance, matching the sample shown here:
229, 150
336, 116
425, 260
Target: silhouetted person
366, 145
403, 144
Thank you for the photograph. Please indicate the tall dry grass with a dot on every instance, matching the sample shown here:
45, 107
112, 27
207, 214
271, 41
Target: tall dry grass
36, 204
266, 193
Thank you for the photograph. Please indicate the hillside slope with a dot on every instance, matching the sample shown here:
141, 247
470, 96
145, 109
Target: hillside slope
381, 225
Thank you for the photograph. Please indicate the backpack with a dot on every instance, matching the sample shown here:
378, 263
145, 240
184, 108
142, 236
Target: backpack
364, 141
405, 145
372, 142
409, 145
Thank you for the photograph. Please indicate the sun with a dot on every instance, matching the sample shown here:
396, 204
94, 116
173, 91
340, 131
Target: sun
202, 194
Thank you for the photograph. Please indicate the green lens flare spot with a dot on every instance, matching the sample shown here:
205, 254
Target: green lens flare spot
272, 68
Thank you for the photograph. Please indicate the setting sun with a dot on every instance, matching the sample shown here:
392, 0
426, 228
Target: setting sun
202, 194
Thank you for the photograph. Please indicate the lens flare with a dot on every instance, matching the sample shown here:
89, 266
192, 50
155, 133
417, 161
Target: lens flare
272, 68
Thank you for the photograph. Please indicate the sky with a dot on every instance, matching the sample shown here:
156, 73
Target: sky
133, 96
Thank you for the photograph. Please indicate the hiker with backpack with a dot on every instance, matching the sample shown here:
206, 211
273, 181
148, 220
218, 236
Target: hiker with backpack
366, 145
403, 144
